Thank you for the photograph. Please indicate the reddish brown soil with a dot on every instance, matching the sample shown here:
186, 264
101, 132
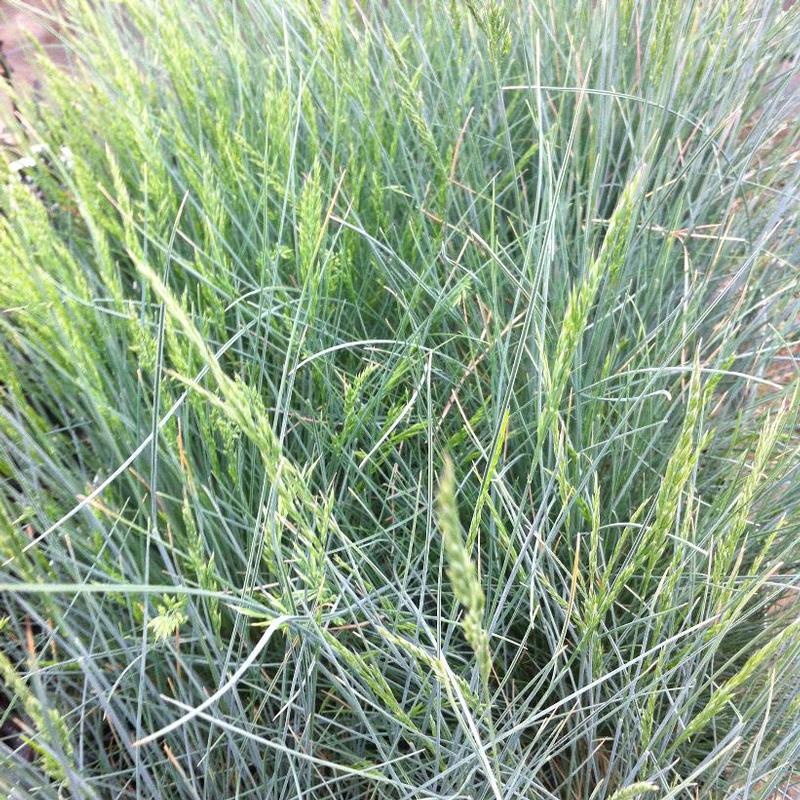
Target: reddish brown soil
17, 27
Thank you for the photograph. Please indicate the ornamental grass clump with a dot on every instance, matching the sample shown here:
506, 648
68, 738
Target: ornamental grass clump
400, 399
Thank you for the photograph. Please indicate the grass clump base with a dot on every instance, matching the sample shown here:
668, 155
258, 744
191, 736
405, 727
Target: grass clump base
400, 400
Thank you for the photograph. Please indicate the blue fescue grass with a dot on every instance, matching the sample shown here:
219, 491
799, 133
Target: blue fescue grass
399, 399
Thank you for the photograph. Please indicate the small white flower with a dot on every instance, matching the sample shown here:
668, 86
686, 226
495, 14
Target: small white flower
38, 148
67, 158
26, 162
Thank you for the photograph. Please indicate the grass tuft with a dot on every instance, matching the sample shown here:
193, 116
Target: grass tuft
400, 399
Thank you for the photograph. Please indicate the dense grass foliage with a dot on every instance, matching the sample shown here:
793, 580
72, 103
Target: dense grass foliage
397, 400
